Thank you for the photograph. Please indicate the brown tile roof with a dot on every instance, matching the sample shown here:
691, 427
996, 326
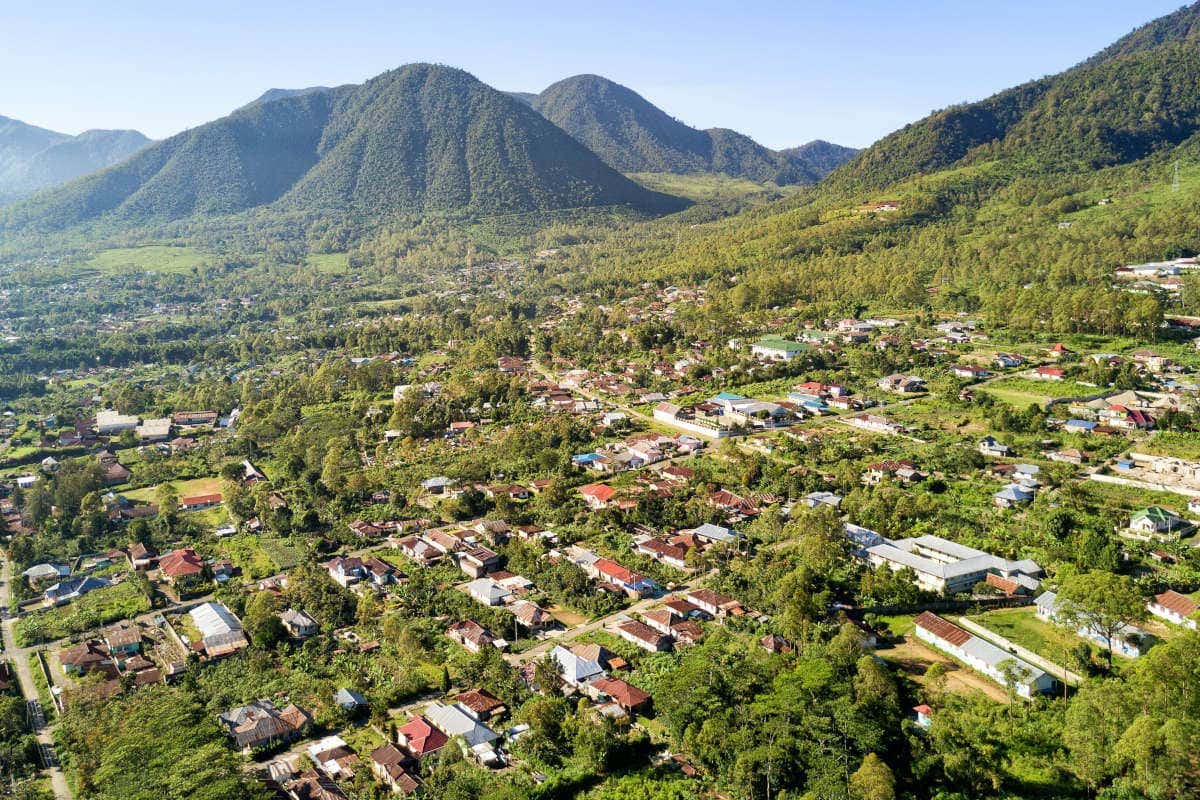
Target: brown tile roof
625, 694
942, 629
1179, 603
480, 701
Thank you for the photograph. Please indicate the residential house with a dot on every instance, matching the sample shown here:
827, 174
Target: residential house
1176, 608
481, 704
478, 561
597, 495
457, 722
72, 589
182, 568
261, 725
390, 765
632, 583
201, 501
631, 699
902, 384
419, 738
643, 636
574, 668
474, 637
87, 657
1156, 523
488, 592
1013, 495
992, 448
715, 604
220, 630
775, 349
299, 624
142, 556
1048, 374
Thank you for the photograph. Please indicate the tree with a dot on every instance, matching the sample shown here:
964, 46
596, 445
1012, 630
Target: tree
1102, 602
167, 497
873, 780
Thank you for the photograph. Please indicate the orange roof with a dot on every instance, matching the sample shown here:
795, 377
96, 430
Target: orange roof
1179, 603
942, 629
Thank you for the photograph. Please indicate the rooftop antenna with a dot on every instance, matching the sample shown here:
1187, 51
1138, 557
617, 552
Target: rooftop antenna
1175, 181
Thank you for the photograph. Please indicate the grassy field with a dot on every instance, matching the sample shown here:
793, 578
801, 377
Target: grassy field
1021, 392
188, 488
704, 187
283, 554
247, 554
151, 258
94, 609
1022, 626
329, 263
1174, 445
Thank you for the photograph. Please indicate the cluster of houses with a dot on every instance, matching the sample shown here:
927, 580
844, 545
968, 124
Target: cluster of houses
635, 452
728, 414
674, 550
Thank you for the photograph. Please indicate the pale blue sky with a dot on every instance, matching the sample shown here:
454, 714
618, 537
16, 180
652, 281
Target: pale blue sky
783, 72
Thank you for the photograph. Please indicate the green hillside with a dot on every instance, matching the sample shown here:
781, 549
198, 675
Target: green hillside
33, 158
1134, 98
420, 138
633, 135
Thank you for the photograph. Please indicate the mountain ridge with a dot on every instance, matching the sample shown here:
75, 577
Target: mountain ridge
34, 158
418, 138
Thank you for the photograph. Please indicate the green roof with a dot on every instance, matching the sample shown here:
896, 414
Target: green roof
1155, 514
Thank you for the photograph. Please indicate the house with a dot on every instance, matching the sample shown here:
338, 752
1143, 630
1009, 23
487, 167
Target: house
478, 561
1126, 641
903, 471
201, 501
188, 418
299, 624
1008, 360
775, 349
633, 700
333, 757
389, 763
181, 567
664, 552
1048, 374
262, 725
943, 566
924, 716
311, 785
774, 643
420, 738
875, 424
715, 534
902, 384
632, 583
420, 550
1012, 496
575, 668
1058, 351
439, 485
983, 656
488, 592
349, 700
715, 604
816, 499
643, 636
154, 430
968, 371
1176, 608
123, 641
457, 721
531, 616
988, 446
72, 589
1156, 523
109, 422
41, 573
87, 657
142, 556
220, 630
474, 637
480, 703
597, 495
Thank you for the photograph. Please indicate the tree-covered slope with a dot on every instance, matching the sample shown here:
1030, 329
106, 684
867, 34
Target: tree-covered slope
430, 137
1140, 95
633, 135
820, 156
33, 158
416, 139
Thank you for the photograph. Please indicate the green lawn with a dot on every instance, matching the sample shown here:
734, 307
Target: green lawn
1173, 445
1022, 626
705, 187
329, 263
94, 609
151, 258
248, 554
188, 488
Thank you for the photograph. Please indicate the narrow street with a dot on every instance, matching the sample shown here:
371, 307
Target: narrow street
20, 660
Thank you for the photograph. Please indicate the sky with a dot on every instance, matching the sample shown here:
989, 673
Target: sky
849, 71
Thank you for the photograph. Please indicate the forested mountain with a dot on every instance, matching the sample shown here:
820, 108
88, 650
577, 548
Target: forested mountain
278, 94
633, 135
419, 138
821, 156
1140, 95
33, 158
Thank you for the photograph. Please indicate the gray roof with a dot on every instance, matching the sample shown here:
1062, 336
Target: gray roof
455, 721
953, 559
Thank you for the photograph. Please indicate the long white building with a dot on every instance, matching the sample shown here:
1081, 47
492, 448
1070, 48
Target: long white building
942, 565
982, 656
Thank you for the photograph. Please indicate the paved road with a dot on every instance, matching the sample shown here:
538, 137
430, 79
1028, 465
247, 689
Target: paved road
20, 660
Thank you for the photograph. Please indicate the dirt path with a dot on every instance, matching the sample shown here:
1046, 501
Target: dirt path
914, 658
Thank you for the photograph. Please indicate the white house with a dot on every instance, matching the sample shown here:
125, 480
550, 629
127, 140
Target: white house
1127, 641
982, 656
1176, 608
